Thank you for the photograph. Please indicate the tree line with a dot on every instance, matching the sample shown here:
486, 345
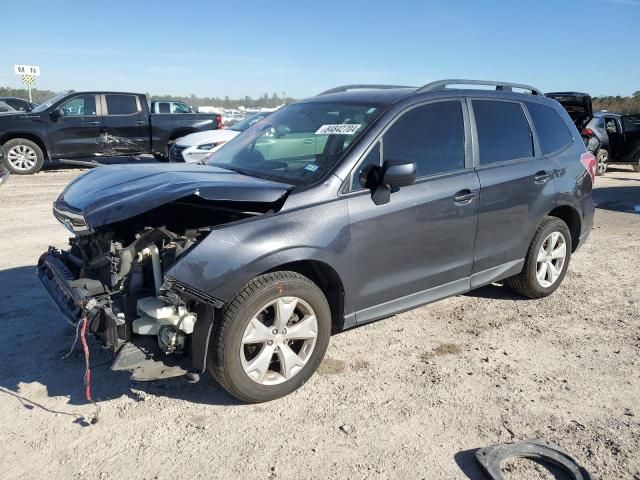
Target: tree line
266, 100
611, 103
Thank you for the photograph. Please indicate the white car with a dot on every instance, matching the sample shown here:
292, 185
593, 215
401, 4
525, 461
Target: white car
195, 147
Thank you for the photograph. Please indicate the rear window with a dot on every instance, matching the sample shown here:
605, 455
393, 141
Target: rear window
121, 104
552, 131
503, 131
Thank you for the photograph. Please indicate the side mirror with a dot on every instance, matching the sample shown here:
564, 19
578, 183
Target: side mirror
394, 175
56, 114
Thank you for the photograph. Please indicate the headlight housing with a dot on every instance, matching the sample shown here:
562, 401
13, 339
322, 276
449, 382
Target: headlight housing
207, 146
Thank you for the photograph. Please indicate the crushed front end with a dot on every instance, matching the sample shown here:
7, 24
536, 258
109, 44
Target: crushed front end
120, 288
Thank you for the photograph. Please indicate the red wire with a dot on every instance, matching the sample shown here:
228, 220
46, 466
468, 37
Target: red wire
85, 348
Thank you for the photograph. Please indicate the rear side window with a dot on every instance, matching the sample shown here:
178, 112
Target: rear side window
503, 131
552, 131
432, 136
121, 104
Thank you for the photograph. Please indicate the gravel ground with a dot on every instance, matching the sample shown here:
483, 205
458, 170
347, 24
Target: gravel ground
408, 397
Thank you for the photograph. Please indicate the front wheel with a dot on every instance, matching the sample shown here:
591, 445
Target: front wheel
546, 262
271, 338
22, 156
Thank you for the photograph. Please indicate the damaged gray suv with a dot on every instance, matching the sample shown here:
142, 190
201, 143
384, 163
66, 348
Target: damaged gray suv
348, 207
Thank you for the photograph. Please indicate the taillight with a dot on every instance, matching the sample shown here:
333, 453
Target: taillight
219, 122
588, 159
587, 132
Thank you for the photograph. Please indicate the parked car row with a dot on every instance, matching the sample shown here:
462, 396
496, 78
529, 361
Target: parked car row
335, 211
81, 127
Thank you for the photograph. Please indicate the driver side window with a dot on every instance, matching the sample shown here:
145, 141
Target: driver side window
80, 106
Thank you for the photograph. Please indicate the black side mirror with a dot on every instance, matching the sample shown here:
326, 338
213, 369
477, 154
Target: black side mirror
56, 114
394, 175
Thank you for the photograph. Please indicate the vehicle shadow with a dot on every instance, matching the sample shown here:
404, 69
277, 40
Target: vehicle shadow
618, 199
496, 291
35, 339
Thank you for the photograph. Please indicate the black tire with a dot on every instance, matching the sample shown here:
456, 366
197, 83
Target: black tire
526, 283
602, 162
28, 146
224, 362
636, 166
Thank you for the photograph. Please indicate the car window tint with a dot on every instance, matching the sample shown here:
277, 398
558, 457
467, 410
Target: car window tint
432, 136
180, 108
631, 123
371, 160
163, 108
121, 104
551, 129
503, 131
82, 105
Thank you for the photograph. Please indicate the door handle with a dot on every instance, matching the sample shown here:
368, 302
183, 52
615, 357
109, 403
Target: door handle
464, 196
542, 176
308, 141
141, 122
94, 123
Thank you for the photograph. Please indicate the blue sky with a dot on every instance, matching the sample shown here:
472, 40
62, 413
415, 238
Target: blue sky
249, 48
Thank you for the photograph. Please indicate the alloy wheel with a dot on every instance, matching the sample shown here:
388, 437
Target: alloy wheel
22, 157
279, 340
602, 166
551, 258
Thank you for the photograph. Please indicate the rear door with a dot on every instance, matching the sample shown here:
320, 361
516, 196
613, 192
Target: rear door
125, 126
76, 133
516, 187
419, 246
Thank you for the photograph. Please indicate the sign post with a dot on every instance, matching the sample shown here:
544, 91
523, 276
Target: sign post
28, 74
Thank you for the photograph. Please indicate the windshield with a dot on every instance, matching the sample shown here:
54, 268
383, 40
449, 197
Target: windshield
242, 125
298, 144
43, 106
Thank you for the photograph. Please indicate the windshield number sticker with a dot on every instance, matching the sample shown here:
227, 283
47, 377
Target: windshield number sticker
311, 167
339, 129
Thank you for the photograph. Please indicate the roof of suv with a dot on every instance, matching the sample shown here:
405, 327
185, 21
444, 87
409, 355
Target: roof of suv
389, 94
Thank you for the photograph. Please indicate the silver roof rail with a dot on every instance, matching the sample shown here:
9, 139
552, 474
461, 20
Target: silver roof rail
345, 88
503, 86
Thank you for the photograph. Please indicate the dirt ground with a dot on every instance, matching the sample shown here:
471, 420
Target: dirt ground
412, 396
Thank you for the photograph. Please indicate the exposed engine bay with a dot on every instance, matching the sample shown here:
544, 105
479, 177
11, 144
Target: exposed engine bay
115, 276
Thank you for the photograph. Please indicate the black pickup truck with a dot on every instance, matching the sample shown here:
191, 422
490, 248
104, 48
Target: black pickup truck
83, 126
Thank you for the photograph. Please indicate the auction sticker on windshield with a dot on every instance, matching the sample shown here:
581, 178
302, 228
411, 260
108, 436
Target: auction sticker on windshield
339, 129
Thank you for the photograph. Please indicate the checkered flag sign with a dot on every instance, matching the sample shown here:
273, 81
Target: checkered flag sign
28, 79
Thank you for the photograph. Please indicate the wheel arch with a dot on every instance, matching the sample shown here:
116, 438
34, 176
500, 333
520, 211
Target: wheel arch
27, 136
571, 217
327, 279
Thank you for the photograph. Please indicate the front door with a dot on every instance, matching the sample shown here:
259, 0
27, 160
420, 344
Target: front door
125, 126
75, 134
419, 246
516, 188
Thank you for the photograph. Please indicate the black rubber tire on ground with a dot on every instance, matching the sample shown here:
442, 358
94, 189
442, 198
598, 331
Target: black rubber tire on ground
636, 166
224, 362
526, 283
29, 144
602, 158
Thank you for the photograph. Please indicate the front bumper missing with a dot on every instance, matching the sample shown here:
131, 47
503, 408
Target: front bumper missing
141, 356
55, 277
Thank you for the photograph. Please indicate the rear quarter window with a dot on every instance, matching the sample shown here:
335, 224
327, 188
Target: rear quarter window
503, 131
551, 129
121, 104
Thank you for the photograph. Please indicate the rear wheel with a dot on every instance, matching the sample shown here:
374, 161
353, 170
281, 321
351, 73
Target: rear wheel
22, 156
602, 158
271, 338
547, 260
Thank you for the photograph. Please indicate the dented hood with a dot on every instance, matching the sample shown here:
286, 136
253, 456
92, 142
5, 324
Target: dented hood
110, 194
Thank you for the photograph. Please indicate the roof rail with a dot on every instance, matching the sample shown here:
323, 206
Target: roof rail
345, 88
504, 86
